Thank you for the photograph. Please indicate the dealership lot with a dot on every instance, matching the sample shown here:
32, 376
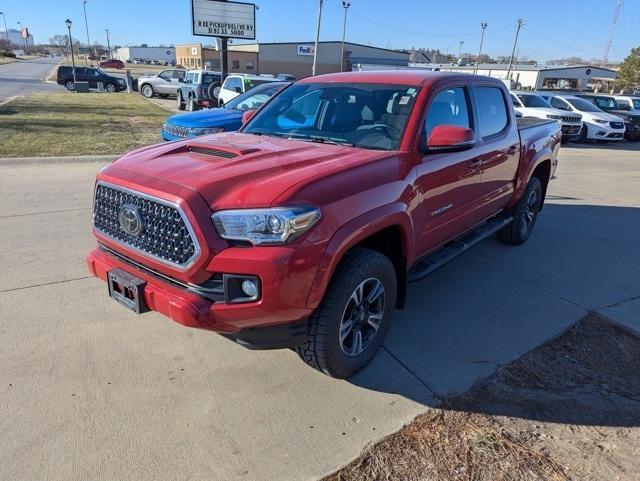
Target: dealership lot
98, 393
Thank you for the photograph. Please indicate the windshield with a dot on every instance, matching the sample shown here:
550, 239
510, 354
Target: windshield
531, 100
583, 105
254, 98
607, 103
364, 115
636, 103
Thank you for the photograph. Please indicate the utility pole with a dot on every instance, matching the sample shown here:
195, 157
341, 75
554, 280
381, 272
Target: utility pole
86, 26
315, 50
515, 42
108, 44
460, 50
6, 31
346, 4
483, 25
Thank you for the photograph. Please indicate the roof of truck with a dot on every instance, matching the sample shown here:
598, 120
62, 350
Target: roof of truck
401, 77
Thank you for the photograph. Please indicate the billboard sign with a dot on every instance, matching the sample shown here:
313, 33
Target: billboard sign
306, 50
213, 18
25, 32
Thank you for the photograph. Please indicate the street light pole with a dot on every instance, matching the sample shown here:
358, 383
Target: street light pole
315, 50
108, 44
515, 42
483, 25
346, 4
460, 50
6, 30
68, 22
86, 26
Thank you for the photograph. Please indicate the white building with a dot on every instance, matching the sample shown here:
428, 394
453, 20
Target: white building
533, 77
15, 37
162, 54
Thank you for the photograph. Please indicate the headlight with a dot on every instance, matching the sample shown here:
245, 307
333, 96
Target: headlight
600, 121
554, 117
278, 225
206, 130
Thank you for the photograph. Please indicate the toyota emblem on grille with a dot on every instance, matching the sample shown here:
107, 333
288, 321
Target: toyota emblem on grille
130, 219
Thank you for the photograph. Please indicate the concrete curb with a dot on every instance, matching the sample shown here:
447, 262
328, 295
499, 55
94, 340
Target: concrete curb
74, 159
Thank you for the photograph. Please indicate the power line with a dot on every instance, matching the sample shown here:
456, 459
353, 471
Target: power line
568, 47
421, 34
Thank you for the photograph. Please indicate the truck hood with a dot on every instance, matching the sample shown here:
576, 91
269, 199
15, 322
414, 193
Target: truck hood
235, 170
206, 118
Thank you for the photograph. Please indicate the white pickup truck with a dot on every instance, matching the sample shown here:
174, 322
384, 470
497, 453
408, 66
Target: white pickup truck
530, 104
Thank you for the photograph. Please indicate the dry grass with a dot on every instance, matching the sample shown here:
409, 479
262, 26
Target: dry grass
78, 124
7, 60
450, 446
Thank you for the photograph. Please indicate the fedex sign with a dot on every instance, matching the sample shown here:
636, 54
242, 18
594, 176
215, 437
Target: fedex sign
306, 50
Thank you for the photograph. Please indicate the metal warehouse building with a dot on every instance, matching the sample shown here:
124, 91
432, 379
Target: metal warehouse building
296, 58
162, 54
584, 77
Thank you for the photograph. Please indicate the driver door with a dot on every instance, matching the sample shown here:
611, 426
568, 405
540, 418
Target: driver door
165, 84
447, 183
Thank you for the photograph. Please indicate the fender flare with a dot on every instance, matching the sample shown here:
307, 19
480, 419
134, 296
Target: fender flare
354, 232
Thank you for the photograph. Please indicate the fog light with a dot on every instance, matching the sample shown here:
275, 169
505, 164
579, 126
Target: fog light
250, 288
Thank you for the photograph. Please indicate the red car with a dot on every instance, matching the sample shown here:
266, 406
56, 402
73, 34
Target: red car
112, 64
302, 229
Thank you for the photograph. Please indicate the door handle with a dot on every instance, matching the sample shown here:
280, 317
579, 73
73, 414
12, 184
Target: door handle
513, 149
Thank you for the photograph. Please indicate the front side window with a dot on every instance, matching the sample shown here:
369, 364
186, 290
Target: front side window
582, 105
234, 84
449, 107
255, 98
365, 115
165, 74
492, 111
636, 103
516, 101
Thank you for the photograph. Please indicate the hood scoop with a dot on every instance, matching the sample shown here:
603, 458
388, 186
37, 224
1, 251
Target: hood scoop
213, 152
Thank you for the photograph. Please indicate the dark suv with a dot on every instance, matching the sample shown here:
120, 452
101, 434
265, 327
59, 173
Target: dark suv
610, 105
90, 75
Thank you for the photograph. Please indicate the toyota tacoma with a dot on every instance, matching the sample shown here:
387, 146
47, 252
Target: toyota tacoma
302, 229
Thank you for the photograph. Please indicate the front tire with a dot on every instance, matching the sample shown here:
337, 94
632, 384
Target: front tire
111, 87
349, 326
180, 102
583, 137
147, 91
525, 215
70, 85
191, 104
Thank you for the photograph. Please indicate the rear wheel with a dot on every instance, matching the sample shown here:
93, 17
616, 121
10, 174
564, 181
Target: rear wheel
525, 215
348, 327
147, 91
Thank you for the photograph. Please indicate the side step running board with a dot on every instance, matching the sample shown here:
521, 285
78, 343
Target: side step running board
454, 248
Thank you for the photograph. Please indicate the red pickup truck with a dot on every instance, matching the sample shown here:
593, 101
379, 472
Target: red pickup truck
302, 229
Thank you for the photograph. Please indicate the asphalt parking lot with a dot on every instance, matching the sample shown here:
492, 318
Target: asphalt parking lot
95, 392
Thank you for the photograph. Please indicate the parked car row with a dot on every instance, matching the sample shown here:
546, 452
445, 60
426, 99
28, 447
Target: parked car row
583, 116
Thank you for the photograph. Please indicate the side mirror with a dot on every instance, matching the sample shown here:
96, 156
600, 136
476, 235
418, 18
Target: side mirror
247, 115
450, 138
237, 90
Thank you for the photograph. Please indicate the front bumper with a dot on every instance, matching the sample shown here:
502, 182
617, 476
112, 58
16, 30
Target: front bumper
279, 304
571, 130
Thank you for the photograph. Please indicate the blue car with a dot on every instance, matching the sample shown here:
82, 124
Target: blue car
228, 119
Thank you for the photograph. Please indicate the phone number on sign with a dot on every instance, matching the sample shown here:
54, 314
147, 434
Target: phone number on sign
226, 31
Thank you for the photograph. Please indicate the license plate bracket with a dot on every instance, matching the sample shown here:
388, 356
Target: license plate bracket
127, 290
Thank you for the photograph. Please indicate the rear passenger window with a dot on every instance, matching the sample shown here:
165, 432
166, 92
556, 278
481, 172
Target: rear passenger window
492, 111
449, 107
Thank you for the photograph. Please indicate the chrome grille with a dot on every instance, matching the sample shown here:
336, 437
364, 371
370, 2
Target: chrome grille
166, 235
571, 119
176, 130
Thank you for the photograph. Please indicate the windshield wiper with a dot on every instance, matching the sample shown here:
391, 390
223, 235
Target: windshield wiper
322, 140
